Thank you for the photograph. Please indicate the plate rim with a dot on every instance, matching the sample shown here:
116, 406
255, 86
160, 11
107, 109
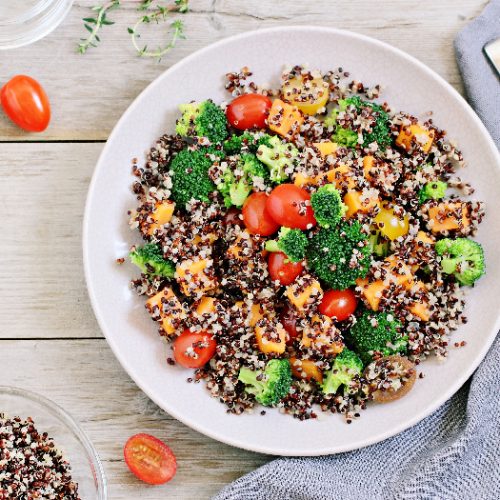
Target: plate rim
170, 408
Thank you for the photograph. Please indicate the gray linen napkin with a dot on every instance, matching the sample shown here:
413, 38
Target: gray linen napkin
455, 452
482, 83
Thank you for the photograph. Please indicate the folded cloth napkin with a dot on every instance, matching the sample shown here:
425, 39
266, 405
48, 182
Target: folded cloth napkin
481, 81
455, 452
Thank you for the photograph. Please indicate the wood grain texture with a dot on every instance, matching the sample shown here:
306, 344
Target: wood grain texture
42, 196
84, 377
89, 93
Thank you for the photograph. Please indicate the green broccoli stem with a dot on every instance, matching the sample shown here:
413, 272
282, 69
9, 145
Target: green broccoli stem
272, 246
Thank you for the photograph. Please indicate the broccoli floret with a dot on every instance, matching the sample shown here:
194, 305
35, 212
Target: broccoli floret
277, 155
235, 189
327, 205
292, 242
189, 172
235, 143
345, 367
377, 331
432, 191
204, 119
345, 137
149, 259
378, 245
340, 255
462, 258
271, 385
381, 133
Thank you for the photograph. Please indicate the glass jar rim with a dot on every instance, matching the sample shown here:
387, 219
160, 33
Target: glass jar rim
33, 24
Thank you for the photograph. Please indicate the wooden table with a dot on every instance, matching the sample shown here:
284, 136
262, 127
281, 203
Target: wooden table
49, 339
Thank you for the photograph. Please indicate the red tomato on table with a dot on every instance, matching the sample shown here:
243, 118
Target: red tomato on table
290, 206
282, 269
256, 216
26, 103
150, 459
194, 349
338, 304
248, 111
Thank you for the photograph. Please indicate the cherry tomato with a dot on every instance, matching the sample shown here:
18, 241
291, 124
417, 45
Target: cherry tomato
391, 225
282, 269
256, 216
26, 103
249, 111
338, 304
289, 206
194, 349
232, 217
150, 459
288, 319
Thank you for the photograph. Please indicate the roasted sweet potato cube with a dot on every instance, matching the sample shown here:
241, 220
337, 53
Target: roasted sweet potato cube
415, 133
193, 278
356, 202
162, 214
300, 294
166, 308
270, 336
306, 369
284, 119
326, 148
448, 216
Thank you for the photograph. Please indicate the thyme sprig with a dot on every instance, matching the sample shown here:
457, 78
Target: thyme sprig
94, 24
151, 14
157, 15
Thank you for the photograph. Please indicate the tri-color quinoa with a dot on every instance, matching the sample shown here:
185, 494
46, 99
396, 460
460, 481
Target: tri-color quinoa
254, 211
30, 464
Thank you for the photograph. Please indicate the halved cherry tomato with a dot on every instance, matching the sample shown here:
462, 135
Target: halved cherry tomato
290, 206
338, 304
282, 269
26, 103
194, 349
256, 216
150, 459
249, 111
288, 318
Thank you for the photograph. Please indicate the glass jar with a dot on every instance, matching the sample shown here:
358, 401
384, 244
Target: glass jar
25, 21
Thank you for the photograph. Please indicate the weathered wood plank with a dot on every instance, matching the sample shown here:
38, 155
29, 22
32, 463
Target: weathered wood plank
42, 196
84, 377
89, 93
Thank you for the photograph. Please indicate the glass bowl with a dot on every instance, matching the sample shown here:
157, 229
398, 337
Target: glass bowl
86, 467
25, 21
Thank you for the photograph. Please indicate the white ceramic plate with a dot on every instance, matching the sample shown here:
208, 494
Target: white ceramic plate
410, 86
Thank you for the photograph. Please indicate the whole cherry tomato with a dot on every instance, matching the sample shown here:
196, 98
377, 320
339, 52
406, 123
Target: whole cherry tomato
248, 111
194, 349
338, 304
256, 216
26, 103
150, 459
282, 269
290, 206
288, 318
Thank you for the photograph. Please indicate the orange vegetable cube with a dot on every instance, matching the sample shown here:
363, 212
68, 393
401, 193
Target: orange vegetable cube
162, 214
274, 343
167, 307
306, 369
326, 148
301, 298
415, 133
193, 278
448, 216
206, 306
356, 202
284, 119
342, 177
368, 164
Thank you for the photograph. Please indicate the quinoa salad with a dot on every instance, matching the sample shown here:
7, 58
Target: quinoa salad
304, 247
